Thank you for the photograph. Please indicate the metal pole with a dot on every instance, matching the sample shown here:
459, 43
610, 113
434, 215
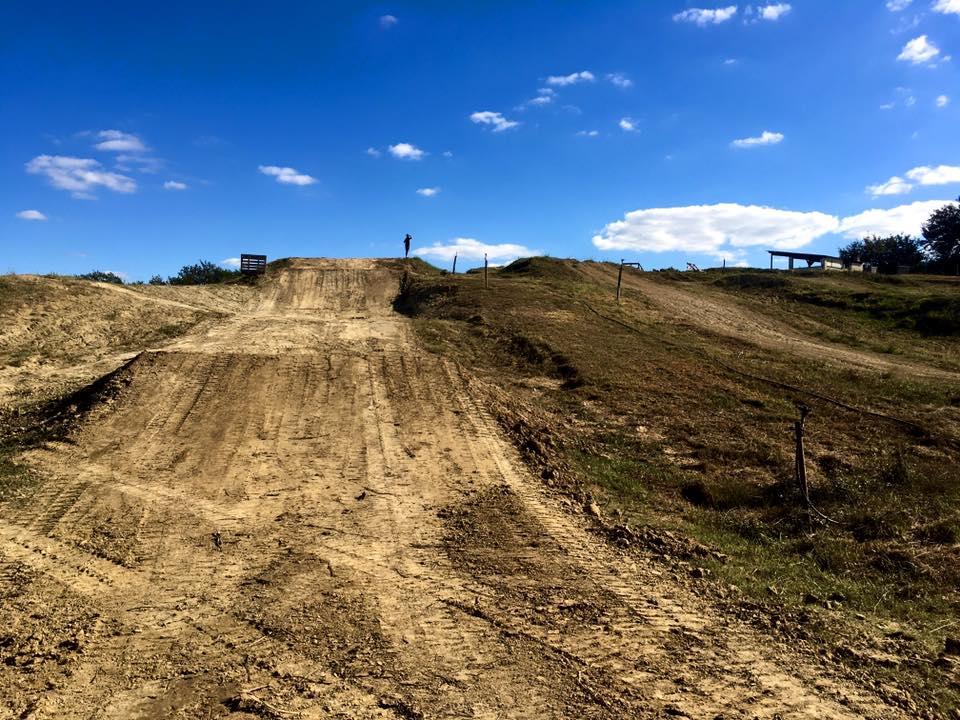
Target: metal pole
485, 271
454, 264
619, 280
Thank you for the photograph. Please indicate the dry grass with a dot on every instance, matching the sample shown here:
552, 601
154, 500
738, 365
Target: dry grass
663, 424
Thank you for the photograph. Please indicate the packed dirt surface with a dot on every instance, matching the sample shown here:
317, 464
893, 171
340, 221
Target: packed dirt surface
298, 512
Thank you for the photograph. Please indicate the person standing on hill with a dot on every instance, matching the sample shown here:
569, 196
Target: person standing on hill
406, 246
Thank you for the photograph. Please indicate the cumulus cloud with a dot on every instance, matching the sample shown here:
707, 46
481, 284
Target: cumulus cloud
893, 186
388, 21
31, 215
620, 80
628, 125
473, 249
571, 79
447, 154
942, 101
703, 17
287, 175
174, 185
905, 219
406, 151
918, 51
80, 176
372, 152
587, 133
494, 119
774, 12
939, 175
947, 7
117, 141
428, 191
720, 230
765, 138
898, 5
231, 262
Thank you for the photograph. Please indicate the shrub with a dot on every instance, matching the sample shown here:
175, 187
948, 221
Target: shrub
203, 273
101, 276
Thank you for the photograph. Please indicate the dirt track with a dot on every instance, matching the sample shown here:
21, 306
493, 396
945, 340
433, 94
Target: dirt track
299, 513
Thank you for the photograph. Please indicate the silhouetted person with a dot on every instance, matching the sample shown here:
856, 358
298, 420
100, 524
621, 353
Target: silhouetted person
406, 246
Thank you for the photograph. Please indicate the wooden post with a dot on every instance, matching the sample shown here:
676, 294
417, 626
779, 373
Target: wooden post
619, 280
454, 264
801, 468
724, 263
485, 285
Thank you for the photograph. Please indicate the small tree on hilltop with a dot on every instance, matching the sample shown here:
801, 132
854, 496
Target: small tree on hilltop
942, 235
101, 276
887, 253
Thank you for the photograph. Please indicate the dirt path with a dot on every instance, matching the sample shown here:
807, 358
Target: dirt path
300, 513
724, 316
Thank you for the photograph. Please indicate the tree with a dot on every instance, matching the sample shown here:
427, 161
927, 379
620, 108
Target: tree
203, 273
157, 280
101, 276
887, 253
942, 235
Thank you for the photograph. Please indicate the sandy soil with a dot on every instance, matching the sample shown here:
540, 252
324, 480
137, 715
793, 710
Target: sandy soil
297, 512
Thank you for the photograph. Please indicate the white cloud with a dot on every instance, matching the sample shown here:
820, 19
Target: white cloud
406, 151
539, 100
718, 230
893, 186
918, 51
947, 7
447, 154
702, 17
472, 249
910, 101
141, 163
774, 12
888, 106
765, 138
174, 185
571, 79
428, 191
906, 219
372, 152
31, 215
81, 176
117, 141
628, 125
620, 80
942, 101
287, 175
494, 119
587, 133
231, 262
388, 21
940, 175
898, 5
731, 61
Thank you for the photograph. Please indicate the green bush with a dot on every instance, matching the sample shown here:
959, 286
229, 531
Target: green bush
101, 276
203, 273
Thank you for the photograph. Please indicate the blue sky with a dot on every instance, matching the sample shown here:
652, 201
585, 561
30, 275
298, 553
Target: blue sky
137, 137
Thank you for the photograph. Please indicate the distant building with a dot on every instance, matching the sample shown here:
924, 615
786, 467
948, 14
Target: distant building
813, 260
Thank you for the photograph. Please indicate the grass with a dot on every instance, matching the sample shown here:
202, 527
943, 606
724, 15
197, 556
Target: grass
663, 428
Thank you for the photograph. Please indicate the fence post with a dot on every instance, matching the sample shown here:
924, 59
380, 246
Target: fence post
619, 280
485, 271
801, 468
454, 264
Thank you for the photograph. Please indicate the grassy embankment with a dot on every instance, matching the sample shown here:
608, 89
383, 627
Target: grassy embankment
687, 432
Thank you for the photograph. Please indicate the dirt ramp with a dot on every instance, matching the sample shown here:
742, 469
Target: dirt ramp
338, 286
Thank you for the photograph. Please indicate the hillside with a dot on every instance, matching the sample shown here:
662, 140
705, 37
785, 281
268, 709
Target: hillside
674, 413
523, 501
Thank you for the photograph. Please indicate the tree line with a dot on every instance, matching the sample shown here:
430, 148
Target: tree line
203, 272
937, 251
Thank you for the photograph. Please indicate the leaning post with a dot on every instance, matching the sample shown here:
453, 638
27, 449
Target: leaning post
801, 468
619, 280
485, 285
454, 272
